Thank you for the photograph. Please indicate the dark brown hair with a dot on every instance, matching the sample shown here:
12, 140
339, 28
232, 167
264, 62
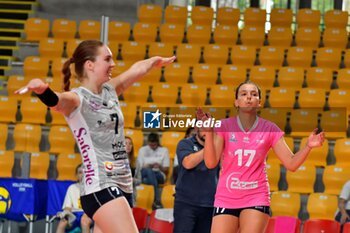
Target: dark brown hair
248, 82
86, 51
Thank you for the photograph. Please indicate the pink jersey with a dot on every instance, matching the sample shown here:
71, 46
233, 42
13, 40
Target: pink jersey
243, 179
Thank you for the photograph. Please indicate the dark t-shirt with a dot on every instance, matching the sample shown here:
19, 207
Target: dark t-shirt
196, 186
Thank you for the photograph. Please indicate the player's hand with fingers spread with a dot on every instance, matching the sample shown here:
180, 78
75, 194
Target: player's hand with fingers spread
315, 140
162, 61
203, 116
36, 85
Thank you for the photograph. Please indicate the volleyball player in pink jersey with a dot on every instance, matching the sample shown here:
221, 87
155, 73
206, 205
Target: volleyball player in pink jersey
241, 144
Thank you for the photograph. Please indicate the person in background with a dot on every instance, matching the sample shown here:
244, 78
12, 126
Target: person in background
343, 213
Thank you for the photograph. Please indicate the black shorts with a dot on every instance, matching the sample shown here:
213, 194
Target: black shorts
237, 212
93, 201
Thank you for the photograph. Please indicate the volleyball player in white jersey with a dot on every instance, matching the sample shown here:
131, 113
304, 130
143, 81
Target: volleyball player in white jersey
95, 118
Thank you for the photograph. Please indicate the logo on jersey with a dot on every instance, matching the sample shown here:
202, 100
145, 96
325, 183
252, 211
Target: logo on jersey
232, 138
233, 182
151, 120
108, 168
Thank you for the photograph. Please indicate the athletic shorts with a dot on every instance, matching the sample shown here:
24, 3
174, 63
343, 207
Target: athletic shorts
237, 212
92, 202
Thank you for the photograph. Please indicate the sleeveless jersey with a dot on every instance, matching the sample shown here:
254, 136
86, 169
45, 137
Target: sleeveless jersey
243, 181
98, 128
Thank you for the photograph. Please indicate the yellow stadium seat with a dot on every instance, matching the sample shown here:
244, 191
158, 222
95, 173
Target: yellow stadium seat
285, 204
280, 37
299, 57
36, 29
272, 157
302, 180
170, 139
205, 74
335, 38
198, 34
312, 98
317, 77
282, 97
225, 35
3, 136
130, 111
334, 178
137, 137
14, 83
219, 112
164, 93
328, 58
89, 30
7, 160
193, 95
342, 152
56, 67
176, 73
343, 78
64, 29
317, 156
271, 56
273, 171
39, 165
222, 95
202, 15
308, 37
336, 19
291, 77
171, 33
35, 67
334, 123
263, 76
276, 115
303, 121
27, 137
308, 18
72, 44
33, 111
119, 31
133, 51
176, 15
145, 197
8, 104
322, 206
137, 92
254, 17
149, 13
51, 47
281, 17
216, 54
160, 49
188, 53
56, 84
228, 16
167, 197
145, 32
339, 98
243, 55
252, 36
233, 74
66, 166
57, 118
61, 140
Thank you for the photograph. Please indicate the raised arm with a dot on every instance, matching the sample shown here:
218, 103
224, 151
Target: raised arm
137, 71
64, 103
293, 161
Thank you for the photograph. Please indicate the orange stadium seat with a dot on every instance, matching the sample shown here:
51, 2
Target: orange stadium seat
299, 57
176, 15
243, 55
133, 51
285, 204
168, 196
119, 31
51, 47
334, 178
302, 180
303, 121
228, 16
328, 57
263, 76
335, 38
252, 36
164, 93
280, 37
66, 166
145, 32
233, 74
276, 115
343, 78
271, 56
35, 67
8, 104
27, 137
71, 46
225, 34
160, 49
33, 111
254, 17
221, 111
198, 34
176, 73
291, 77
312, 98
308, 18
308, 37
64, 28
57, 118
193, 95
56, 67
137, 92
202, 15
148, 13
3, 135
339, 98
170, 139
215, 54
36, 29
317, 156
7, 160
188, 53
137, 137
319, 77
273, 170
145, 197
120, 67
281, 17
39, 165
342, 152
205, 74
281, 97
336, 19
222, 95
171, 33
89, 30
61, 139
322, 206
130, 111
14, 83
334, 123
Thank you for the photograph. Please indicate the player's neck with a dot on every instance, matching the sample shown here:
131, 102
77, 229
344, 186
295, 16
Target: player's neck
247, 120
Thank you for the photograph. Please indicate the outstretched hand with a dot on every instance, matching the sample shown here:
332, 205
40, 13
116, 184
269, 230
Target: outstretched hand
162, 61
36, 85
203, 116
315, 140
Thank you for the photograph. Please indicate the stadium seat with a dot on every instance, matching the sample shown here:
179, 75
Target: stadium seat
27, 137
233, 74
205, 74
145, 32
222, 95
66, 166
346, 227
271, 56
299, 57
254, 17
335, 38
243, 55
317, 77
312, 98
188, 53
303, 121
276, 115
35, 67
202, 15
216, 54
158, 225
133, 51
137, 138
39, 165
342, 152
140, 216
149, 13
225, 35
317, 156
193, 95
170, 139
64, 29
336, 19
56, 67
280, 37
171, 33
252, 36
137, 92
281, 17
228, 16
321, 225
343, 78
3, 135
273, 171
285, 204
322, 206
130, 111
263, 76
33, 111
119, 31
145, 196
7, 160
15, 82
339, 98
272, 222
164, 93
221, 111
8, 104
61, 140
51, 47
272, 157
281, 97
57, 118
334, 123
72, 44
308, 18
328, 58
176, 73
120, 67
36, 29
160, 49
291, 77
176, 15
167, 197
308, 37
334, 178
302, 180
89, 30
198, 34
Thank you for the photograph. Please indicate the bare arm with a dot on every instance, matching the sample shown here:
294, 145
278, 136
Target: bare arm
213, 148
192, 160
137, 71
344, 214
293, 161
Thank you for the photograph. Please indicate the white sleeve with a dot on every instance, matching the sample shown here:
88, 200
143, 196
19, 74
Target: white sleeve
68, 202
166, 159
345, 192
